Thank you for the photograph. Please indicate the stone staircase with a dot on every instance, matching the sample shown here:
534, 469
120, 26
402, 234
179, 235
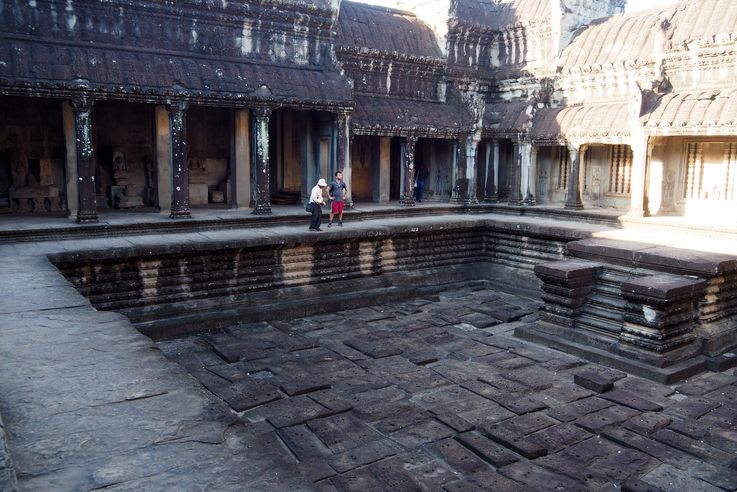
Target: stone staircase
603, 311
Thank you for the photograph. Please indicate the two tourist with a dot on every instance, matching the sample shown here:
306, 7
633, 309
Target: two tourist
337, 192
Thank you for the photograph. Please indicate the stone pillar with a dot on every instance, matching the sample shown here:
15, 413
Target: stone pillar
408, 165
566, 285
495, 164
242, 167
515, 187
459, 172
262, 205
531, 194
82, 107
343, 152
661, 312
641, 153
573, 195
489, 189
72, 183
180, 169
471, 153
163, 159
382, 173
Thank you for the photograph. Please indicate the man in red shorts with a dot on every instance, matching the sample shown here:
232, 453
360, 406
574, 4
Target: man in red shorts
337, 192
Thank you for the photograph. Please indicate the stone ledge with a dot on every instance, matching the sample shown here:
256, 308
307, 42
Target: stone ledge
658, 258
560, 338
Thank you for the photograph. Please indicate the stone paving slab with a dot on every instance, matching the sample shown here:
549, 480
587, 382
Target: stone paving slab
482, 413
430, 400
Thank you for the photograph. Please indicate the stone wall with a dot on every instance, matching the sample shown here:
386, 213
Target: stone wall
200, 286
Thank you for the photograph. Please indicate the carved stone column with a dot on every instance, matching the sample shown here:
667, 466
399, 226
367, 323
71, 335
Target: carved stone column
573, 195
641, 153
458, 193
180, 169
82, 107
472, 143
343, 152
530, 195
408, 163
262, 205
489, 188
515, 187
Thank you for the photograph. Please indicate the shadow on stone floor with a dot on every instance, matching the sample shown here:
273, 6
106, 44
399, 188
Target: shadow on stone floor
434, 393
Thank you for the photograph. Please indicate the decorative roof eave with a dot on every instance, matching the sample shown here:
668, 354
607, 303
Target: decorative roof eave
154, 96
492, 133
692, 131
120, 72
398, 131
616, 67
372, 54
488, 30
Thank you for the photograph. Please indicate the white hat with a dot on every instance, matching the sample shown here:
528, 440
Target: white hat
321, 183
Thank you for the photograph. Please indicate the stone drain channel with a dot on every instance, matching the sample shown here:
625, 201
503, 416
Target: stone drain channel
434, 393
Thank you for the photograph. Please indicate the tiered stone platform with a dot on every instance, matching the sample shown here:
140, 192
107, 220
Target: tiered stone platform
429, 380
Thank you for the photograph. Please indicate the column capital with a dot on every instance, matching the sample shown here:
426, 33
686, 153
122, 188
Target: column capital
177, 106
81, 103
262, 112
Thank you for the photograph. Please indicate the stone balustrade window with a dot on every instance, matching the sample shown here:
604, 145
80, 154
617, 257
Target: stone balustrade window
620, 178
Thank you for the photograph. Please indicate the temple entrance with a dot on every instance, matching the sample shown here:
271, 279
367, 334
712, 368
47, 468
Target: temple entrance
301, 151
32, 156
288, 149
125, 171
434, 166
209, 133
365, 166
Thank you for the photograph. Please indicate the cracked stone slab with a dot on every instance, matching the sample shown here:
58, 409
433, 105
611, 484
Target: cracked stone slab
421, 433
363, 454
247, 393
288, 411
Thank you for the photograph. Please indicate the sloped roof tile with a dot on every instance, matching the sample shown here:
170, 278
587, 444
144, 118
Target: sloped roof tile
386, 30
111, 69
381, 114
695, 112
592, 122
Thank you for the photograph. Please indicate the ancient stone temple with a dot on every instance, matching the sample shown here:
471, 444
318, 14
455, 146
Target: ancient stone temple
133, 104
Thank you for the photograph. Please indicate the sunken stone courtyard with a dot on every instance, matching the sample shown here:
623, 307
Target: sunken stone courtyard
533, 288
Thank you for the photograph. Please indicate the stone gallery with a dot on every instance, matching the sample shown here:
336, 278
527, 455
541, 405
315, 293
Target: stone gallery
536, 286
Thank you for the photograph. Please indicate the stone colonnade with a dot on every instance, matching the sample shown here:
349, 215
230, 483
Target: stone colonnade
250, 181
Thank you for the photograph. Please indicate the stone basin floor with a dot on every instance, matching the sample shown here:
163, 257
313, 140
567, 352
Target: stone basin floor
436, 394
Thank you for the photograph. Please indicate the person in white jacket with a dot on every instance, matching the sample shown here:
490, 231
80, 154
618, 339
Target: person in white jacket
317, 202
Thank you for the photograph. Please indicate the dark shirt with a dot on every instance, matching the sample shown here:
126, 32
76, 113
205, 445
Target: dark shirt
337, 190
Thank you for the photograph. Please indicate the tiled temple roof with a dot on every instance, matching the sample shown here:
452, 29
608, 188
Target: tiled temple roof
506, 118
64, 68
362, 26
704, 20
499, 15
594, 123
707, 112
382, 115
615, 40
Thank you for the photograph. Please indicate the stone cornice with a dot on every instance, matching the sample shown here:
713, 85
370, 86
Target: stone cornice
345, 54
